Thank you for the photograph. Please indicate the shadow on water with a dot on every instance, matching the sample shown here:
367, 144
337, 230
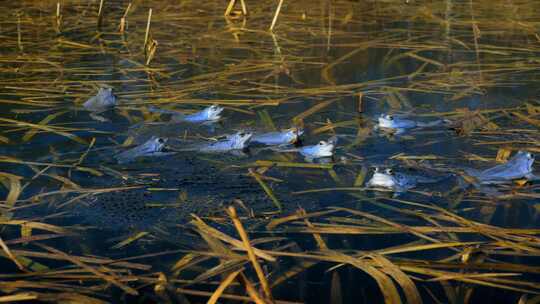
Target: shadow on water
266, 224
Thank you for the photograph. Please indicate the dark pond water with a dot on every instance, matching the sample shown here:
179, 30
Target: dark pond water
331, 68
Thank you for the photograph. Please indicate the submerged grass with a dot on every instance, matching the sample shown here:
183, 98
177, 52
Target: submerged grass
297, 55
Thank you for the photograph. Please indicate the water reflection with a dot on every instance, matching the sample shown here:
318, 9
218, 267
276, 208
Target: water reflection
463, 74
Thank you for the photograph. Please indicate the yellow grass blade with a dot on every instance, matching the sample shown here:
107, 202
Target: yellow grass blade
45, 128
13, 183
221, 288
26, 137
130, 240
251, 254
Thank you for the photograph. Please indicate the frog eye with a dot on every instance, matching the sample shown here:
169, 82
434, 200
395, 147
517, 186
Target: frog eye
376, 169
322, 143
529, 155
389, 171
161, 140
390, 117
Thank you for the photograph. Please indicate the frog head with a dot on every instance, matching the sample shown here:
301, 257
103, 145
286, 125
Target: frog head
524, 161
293, 134
324, 149
386, 121
155, 144
213, 112
240, 139
107, 97
383, 179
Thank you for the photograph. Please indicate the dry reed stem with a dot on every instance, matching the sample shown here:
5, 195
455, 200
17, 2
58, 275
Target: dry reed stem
151, 51
10, 254
147, 30
123, 20
100, 13
43, 82
251, 291
222, 286
320, 242
48, 129
266, 189
222, 236
106, 277
23, 296
229, 8
278, 9
58, 18
14, 185
360, 105
245, 239
244, 7
314, 109
19, 34
227, 296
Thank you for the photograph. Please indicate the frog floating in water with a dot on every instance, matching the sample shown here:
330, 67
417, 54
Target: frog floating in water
208, 115
152, 147
324, 149
202, 121
101, 102
517, 167
400, 124
233, 142
104, 99
396, 181
278, 138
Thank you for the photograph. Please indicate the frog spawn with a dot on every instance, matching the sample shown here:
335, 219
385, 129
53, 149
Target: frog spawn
123, 210
207, 191
143, 208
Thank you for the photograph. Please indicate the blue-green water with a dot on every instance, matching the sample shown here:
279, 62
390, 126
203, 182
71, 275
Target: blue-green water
445, 60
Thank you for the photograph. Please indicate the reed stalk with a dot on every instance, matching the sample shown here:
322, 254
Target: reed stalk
252, 257
147, 33
278, 10
100, 14
123, 20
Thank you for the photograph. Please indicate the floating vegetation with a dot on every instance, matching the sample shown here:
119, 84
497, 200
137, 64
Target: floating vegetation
89, 215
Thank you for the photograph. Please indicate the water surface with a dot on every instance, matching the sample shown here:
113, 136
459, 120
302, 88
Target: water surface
75, 218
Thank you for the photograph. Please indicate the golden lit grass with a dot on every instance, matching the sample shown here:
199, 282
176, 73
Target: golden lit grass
280, 54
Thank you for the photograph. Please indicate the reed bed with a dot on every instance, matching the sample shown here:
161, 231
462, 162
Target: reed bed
257, 58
